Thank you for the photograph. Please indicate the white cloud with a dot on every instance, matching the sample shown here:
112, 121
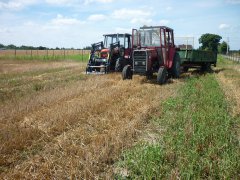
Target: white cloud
169, 8
60, 20
233, 1
97, 17
86, 2
123, 30
135, 16
105, 1
16, 4
57, 2
5, 30
141, 21
207, 4
164, 22
131, 14
224, 26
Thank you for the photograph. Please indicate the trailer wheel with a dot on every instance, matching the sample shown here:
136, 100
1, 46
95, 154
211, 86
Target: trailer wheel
127, 72
176, 66
206, 67
162, 75
185, 69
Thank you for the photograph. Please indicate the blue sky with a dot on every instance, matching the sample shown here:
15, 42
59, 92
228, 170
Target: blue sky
79, 23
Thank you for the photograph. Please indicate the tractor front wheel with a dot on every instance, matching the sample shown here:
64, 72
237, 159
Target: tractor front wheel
162, 75
149, 75
127, 72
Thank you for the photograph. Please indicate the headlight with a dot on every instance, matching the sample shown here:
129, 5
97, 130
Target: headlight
144, 63
136, 63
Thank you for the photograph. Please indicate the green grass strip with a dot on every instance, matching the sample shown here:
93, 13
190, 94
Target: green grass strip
198, 142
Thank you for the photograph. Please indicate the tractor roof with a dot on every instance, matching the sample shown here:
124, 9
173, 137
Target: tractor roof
119, 35
162, 27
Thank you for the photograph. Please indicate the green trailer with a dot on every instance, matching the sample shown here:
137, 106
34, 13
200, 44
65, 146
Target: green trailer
197, 58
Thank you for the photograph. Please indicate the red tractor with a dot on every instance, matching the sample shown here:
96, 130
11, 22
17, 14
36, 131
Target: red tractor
111, 55
154, 52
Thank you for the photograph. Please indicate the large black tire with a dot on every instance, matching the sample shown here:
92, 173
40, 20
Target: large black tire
127, 72
162, 75
176, 70
206, 67
88, 70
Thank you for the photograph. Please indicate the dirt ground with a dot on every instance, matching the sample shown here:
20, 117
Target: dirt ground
76, 128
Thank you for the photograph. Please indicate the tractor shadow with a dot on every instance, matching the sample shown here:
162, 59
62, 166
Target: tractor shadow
192, 73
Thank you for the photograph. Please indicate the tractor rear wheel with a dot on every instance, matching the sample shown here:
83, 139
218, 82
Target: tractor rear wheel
162, 75
176, 66
127, 72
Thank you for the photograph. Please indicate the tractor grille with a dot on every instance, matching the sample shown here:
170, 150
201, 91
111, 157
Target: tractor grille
140, 61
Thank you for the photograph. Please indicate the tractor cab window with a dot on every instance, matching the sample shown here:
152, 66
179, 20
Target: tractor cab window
162, 37
145, 38
114, 39
150, 37
121, 40
156, 37
127, 42
169, 38
107, 41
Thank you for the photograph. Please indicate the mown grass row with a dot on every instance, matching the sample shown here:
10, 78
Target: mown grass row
79, 57
17, 85
198, 140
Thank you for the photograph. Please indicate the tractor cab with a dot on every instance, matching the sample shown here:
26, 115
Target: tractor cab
154, 52
112, 54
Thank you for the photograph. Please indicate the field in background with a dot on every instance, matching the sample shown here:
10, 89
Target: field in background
79, 55
57, 122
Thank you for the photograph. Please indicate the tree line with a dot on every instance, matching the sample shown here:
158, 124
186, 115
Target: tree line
209, 42
212, 42
23, 47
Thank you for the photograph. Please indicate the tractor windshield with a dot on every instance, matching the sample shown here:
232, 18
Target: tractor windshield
109, 40
150, 37
113, 38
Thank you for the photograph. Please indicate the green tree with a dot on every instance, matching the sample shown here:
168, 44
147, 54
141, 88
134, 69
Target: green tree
42, 48
11, 46
87, 48
209, 42
223, 47
2, 46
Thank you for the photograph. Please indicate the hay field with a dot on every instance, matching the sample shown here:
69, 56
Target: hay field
56, 122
